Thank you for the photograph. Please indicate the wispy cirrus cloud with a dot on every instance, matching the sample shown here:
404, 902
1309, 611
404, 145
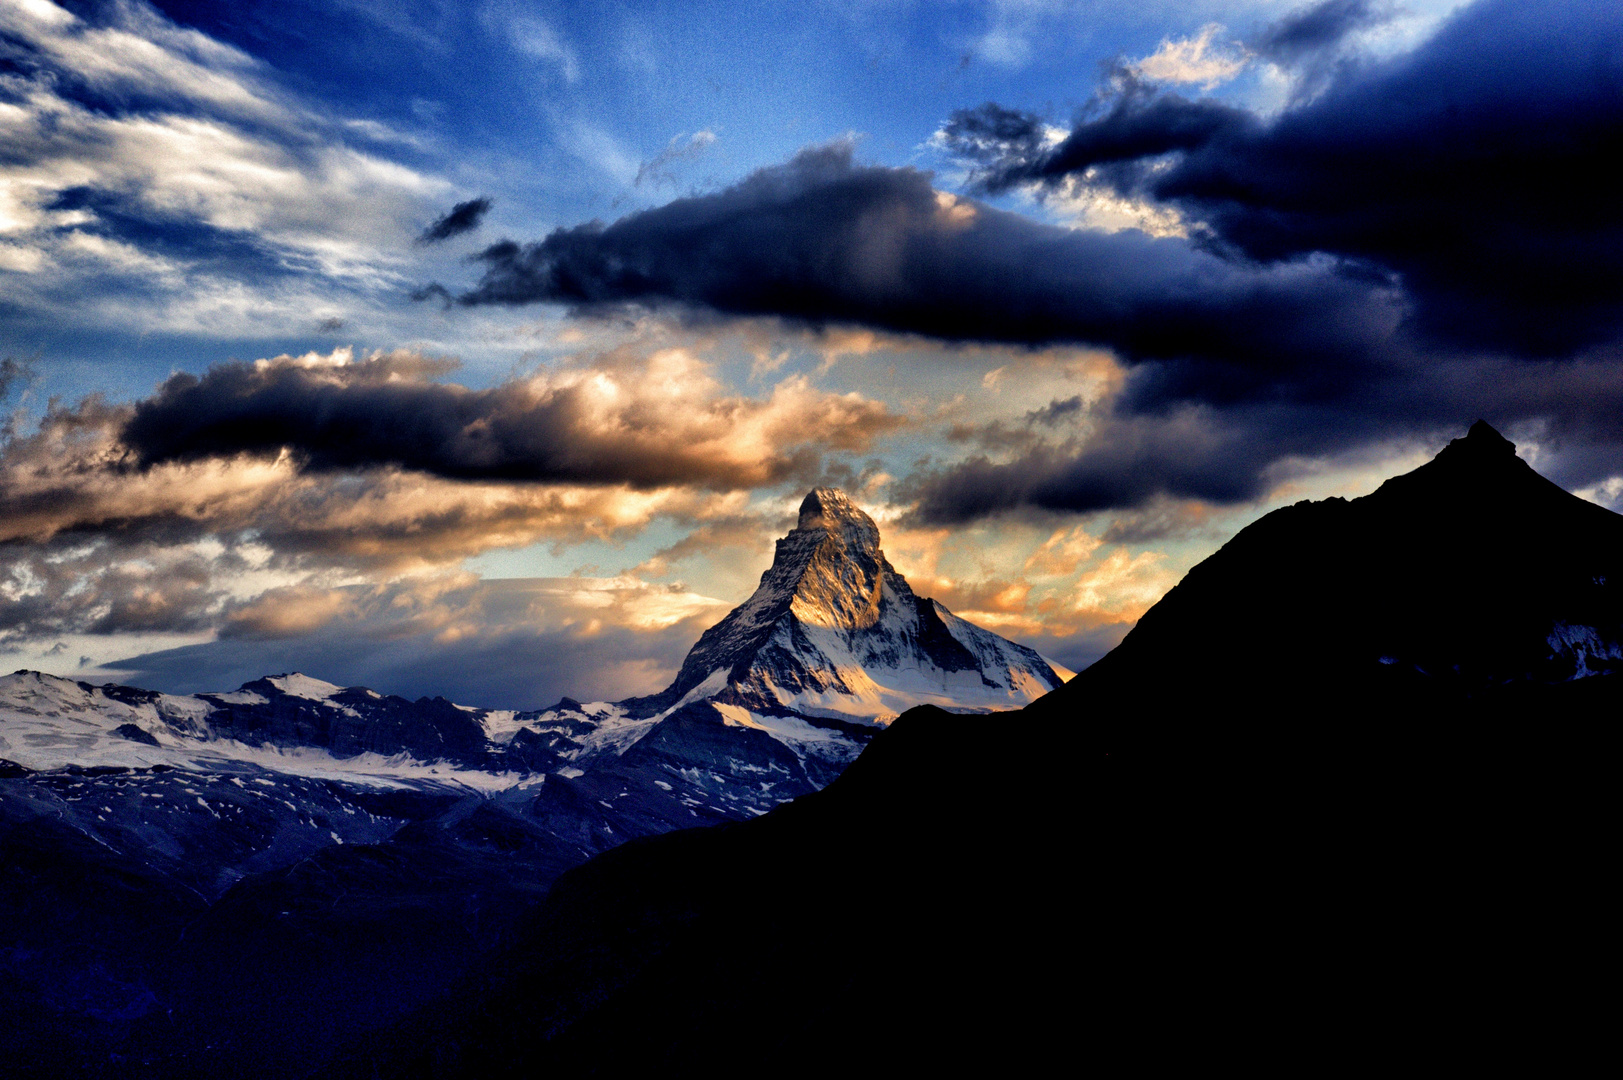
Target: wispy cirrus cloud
659, 168
156, 177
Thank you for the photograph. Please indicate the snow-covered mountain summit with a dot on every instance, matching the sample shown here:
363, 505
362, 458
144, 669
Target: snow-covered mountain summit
834, 631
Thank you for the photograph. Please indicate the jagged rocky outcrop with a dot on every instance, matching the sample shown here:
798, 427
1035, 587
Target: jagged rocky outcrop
834, 630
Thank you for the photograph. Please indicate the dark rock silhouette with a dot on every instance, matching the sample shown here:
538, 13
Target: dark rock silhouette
1468, 584
1339, 800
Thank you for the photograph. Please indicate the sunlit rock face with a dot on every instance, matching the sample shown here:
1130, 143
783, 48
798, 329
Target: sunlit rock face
834, 631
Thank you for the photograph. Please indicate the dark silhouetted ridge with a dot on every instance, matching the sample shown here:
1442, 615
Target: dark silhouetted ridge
1338, 800
1471, 579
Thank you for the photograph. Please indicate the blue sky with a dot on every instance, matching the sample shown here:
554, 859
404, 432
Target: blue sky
1084, 366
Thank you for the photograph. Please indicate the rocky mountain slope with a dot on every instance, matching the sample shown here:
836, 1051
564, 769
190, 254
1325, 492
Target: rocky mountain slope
306, 854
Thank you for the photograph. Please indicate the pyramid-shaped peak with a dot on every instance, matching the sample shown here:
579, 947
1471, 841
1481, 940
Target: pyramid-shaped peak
1482, 438
834, 630
831, 508
1481, 456
1481, 464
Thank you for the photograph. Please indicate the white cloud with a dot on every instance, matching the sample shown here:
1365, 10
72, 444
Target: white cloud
198, 138
534, 37
1086, 205
1195, 60
1012, 26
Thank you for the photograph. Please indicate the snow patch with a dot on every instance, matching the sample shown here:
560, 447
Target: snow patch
241, 697
797, 734
303, 686
713, 684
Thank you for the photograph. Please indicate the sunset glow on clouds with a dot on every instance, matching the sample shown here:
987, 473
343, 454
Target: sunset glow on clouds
465, 349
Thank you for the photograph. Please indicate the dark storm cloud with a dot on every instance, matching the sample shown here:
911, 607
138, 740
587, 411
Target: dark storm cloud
1574, 409
600, 427
823, 240
1130, 463
1474, 170
464, 217
1136, 123
1411, 244
1056, 412
1318, 28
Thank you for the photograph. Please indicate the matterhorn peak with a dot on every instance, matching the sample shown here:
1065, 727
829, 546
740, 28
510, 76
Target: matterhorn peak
834, 630
831, 508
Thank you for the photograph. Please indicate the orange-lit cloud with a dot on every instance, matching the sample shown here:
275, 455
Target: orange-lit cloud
99, 535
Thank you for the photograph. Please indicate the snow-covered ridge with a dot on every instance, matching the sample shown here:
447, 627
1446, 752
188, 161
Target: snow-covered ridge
49, 723
302, 726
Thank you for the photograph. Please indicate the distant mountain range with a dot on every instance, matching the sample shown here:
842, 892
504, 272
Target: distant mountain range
1342, 799
268, 840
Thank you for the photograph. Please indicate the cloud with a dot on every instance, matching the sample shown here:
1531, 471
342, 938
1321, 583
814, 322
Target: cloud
1316, 29
13, 373
1163, 464
823, 241
69, 489
463, 217
659, 422
1126, 463
1194, 60
1471, 171
1064, 591
657, 169
536, 38
1011, 25
159, 179
289, 476
287, 611
520, 643
1429, 239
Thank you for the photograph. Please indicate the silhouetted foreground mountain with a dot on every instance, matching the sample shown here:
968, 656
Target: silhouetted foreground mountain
1343, 799
1470, 583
